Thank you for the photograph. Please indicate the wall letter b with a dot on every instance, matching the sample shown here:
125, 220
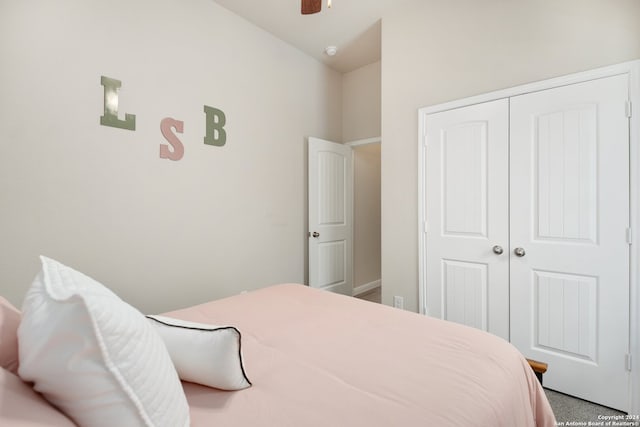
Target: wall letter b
216, 135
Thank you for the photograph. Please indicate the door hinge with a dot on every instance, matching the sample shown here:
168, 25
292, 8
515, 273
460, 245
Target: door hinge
628, 108
425, 226
627, 361
629, 240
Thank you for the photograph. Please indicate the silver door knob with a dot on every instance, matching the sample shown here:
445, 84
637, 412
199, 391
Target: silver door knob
519, 252
316, 234
497, 249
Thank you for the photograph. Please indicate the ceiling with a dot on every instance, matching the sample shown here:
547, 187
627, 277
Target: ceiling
353, 26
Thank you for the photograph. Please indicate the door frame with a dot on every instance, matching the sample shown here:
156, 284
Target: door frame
348, 206
632, 70
362, 289
355, 143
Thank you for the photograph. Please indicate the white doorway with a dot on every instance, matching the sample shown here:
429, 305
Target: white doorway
367, 217
330, 236
362, 171
568, 226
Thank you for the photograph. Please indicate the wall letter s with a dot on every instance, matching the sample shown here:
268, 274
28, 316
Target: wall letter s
178, 149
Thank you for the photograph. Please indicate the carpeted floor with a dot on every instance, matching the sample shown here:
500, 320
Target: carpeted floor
374, 295
568, 409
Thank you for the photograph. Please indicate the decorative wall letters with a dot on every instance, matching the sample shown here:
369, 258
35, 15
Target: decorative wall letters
216, 135
178, 149
110, 117
215, 120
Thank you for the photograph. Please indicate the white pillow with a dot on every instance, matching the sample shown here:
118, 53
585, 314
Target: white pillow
95, 357
205, 354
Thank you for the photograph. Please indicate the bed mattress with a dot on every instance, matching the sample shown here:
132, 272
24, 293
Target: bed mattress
321, 359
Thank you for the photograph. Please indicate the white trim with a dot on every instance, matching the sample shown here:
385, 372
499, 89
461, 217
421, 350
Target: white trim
634, 188
422, 220
632, 69
353, 221
374, 140
359, 290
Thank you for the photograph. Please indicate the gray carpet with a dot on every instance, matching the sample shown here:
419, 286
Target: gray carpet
567, 409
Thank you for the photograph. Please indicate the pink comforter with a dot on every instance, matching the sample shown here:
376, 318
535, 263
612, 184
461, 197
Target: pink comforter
321, 359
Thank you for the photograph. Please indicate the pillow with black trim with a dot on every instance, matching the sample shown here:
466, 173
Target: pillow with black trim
204, 354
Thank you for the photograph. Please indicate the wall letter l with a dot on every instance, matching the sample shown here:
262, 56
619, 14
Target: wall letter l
110, 117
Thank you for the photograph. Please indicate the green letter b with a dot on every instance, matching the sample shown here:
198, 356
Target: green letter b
216, 135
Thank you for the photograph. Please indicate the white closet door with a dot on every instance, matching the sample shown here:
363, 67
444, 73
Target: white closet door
569, 203
466, 183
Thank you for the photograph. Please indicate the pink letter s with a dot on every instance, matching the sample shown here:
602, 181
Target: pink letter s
178, 149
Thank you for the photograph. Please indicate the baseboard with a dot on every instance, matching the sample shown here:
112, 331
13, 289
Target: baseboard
359, 290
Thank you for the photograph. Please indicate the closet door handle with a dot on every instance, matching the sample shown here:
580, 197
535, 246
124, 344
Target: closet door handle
519, 252
497, 249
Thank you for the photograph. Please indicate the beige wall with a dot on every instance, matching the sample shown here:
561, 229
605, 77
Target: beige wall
161, 234
361, 120
361, 103
166, 234
435, 51
367, 250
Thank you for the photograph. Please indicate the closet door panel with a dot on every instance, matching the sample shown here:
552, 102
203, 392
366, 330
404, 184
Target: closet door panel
565, 175
569, 212
466, 182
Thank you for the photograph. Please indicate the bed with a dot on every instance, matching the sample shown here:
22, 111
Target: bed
315, 358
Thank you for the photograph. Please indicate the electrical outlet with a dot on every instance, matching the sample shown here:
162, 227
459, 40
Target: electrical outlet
398, 302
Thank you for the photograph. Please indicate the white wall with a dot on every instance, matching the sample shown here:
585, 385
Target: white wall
434, 51
161, 234
361, 103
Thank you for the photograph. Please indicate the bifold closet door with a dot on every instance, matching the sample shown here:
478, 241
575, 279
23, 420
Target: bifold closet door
569, 216
466, 207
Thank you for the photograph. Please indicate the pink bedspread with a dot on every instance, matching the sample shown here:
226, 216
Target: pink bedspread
321, 359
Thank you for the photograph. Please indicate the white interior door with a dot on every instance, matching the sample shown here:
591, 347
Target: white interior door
467, 215
570, 216
330, 216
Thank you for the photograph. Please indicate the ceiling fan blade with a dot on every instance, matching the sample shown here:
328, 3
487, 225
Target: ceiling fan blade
311, 6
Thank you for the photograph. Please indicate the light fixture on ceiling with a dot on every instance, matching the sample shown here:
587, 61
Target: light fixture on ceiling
331, 50
313, 6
